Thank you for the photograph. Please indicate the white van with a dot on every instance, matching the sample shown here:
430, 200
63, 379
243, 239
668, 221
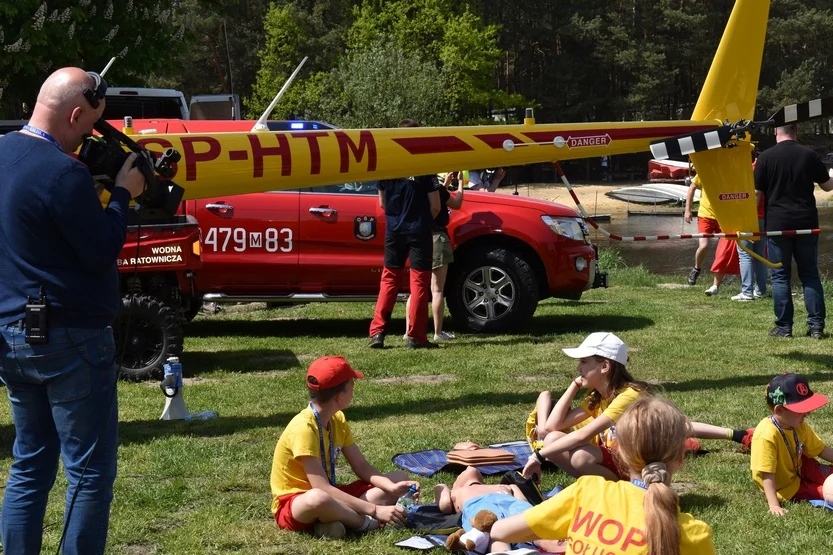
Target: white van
145, 103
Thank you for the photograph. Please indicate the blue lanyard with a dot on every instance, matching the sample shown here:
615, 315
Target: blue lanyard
799, 447
639, 483
321, 445
44, 135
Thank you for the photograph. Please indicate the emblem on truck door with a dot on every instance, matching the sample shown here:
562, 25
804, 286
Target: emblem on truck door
365, 228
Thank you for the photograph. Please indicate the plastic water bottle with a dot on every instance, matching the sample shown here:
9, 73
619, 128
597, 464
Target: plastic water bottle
202, 415
407, 500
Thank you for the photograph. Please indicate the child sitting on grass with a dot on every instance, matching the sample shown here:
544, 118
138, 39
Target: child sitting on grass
785, 447
638, 517
582, 440
304, 491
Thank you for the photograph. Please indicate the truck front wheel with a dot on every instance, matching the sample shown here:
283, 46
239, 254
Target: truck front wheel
492, 290
147, 332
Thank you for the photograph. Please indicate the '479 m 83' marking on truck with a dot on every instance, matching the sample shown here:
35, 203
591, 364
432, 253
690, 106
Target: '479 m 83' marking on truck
273, 240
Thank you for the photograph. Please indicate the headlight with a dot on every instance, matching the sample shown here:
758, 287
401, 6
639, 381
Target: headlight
571, 228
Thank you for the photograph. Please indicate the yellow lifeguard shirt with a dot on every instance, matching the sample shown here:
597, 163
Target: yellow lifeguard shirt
300, 439
771, 455
596, 515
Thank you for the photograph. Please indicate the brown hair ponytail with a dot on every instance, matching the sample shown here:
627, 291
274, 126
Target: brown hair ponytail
651, 435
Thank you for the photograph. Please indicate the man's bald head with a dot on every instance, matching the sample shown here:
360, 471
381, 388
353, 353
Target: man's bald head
64, 89
63, 111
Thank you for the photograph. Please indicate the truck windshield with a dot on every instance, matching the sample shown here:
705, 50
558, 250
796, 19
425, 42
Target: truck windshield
140, 107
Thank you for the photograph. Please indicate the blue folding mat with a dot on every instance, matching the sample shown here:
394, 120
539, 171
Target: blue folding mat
427, 463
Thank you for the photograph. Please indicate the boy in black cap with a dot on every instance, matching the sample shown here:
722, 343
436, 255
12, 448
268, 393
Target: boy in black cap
785, 447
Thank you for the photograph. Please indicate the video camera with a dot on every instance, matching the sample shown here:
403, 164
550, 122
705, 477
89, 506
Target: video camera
104, 155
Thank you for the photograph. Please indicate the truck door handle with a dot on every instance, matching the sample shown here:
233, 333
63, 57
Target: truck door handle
222, 206
323, 210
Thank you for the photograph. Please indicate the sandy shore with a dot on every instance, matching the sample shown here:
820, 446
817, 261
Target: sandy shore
595, 201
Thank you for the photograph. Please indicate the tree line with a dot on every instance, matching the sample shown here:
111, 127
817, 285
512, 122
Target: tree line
374, 62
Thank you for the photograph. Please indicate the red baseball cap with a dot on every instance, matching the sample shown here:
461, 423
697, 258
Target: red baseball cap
793, 392
327, 372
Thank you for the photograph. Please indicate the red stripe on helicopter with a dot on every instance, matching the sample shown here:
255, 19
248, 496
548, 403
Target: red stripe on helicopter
434, 145
497, 140
615, 134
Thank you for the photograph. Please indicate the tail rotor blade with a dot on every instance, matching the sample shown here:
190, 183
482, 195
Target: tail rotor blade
683, 145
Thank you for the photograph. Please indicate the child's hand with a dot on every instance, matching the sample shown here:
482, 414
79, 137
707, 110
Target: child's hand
401, 488
390, 514
581, 382
778, 510
532, 468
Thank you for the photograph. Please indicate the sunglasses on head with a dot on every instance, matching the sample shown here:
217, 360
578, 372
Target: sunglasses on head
95, 95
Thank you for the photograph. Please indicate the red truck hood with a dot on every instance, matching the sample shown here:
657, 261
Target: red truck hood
508, 200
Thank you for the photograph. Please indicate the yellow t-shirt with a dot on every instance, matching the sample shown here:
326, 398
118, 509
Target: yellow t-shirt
300, 439
705, 210
612, 408
770, 455
598, 515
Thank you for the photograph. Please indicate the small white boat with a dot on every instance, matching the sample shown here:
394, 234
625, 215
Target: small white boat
653, 193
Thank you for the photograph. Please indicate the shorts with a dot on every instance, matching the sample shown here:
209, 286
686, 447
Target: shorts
414, 247
611, 461
813, 475
707, 225
284, 518
442, 250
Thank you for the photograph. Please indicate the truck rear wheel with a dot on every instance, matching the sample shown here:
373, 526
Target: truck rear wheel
492, 290
146, 332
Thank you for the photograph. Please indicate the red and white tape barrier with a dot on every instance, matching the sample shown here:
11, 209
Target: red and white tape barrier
635, 238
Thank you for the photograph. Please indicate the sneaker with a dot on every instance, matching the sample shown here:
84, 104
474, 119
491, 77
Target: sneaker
443, 336
743, 297
377, 341
746, 442
757, 294
413, 344
692, 446
332, 530
713, 290
816, 334
777, 332
692, 276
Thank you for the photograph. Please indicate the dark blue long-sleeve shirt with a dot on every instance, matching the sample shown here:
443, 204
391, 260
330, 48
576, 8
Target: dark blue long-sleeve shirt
53, 233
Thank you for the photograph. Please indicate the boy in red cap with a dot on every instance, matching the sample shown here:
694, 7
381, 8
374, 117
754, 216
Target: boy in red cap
304, 491
785, 447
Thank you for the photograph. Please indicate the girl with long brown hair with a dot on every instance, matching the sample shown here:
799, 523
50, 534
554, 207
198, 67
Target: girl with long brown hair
637, 517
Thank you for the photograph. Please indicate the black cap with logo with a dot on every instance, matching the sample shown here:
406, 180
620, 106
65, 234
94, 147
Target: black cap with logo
793, 392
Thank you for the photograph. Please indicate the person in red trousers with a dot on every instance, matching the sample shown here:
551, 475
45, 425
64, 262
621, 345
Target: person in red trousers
410, 205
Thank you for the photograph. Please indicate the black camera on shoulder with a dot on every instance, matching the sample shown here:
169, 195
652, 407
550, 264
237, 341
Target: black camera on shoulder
104, 155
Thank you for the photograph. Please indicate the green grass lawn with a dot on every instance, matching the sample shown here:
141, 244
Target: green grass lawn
203, 487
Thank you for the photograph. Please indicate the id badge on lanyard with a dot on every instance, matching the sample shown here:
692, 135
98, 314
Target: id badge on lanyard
331, 474
799, 447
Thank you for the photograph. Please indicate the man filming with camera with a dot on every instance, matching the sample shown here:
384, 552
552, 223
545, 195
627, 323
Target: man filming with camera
59, 295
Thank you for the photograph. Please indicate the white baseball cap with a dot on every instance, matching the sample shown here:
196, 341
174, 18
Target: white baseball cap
603, 344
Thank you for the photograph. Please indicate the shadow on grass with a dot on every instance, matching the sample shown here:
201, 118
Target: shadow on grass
331, 327
822, 361
143, 431
245, 361
693, 502
741, 381
357, 327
